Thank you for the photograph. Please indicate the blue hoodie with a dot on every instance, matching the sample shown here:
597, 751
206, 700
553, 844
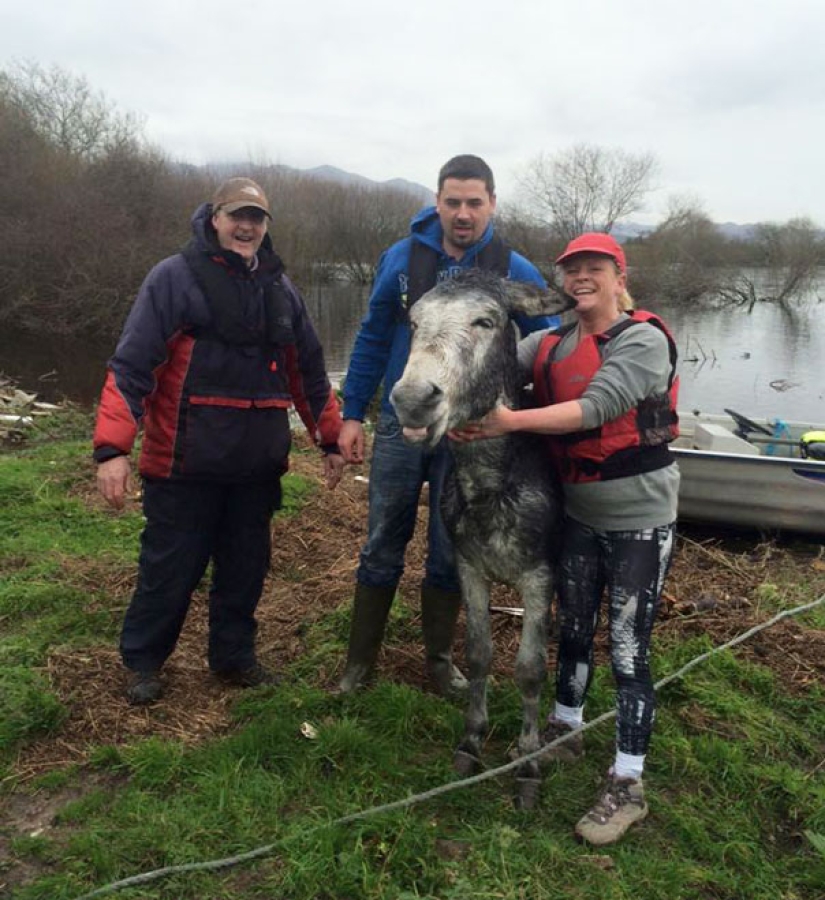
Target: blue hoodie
382, 344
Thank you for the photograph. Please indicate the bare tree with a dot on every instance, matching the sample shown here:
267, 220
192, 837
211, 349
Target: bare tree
684, 258
586, 188
85, 206
65, 110
364, 222
525, 234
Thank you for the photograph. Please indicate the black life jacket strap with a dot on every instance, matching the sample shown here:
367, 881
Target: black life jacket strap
422, 270
673, 352
623, 463
222, 291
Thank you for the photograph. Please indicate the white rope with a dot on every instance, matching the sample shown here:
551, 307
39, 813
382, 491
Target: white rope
227, 862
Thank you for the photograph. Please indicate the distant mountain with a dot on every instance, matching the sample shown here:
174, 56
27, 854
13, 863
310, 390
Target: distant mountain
425, 194
627, 230
332, 173
624, 231
328, 173
737, 232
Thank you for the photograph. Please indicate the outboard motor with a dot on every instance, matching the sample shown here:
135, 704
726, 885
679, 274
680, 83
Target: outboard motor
812, 445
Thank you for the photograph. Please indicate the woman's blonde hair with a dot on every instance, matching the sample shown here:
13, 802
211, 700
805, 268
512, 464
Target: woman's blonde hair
626, 302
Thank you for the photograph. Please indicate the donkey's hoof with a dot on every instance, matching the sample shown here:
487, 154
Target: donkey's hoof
465, 763
527, 795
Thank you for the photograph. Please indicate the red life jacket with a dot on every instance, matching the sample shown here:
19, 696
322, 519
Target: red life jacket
636, 441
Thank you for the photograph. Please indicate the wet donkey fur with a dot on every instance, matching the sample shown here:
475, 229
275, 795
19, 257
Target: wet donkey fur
501, 502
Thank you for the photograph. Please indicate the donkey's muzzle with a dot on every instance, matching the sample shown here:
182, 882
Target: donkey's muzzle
417, 403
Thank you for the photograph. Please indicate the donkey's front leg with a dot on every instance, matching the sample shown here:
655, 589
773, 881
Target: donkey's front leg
475, 590
531, 673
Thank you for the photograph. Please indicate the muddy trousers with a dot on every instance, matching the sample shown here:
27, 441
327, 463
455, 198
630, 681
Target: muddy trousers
187, 525
632, 566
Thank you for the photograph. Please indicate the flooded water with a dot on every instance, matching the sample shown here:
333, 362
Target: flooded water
764, 364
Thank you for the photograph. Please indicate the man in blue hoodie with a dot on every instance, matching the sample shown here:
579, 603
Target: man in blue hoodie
457, 233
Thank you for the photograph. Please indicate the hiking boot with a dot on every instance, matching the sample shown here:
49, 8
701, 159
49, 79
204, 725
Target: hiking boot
569, 751
255, 676
621, 804
144, 687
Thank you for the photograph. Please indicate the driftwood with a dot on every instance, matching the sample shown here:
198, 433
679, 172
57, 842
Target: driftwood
18, 410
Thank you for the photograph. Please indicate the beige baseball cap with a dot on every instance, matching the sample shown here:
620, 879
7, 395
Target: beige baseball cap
237, 193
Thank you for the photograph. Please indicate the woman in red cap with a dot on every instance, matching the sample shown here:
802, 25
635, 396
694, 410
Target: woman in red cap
606, 386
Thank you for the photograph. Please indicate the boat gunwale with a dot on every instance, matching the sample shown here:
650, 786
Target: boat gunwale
786, 462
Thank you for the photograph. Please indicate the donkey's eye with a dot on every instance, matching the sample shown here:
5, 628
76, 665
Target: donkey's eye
483, 323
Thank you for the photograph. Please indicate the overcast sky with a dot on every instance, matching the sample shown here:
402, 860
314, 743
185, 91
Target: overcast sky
729, 95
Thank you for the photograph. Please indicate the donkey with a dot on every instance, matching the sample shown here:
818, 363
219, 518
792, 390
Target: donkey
501, 502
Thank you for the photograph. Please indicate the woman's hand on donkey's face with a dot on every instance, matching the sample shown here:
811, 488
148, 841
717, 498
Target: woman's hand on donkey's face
494, 424
468, 432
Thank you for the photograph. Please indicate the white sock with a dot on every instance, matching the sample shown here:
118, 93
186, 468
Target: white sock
570, 715
628, 766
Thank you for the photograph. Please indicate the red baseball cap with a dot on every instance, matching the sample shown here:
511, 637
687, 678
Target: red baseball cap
595, 242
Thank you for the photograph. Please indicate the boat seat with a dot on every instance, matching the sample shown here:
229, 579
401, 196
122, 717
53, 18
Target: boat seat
719, 439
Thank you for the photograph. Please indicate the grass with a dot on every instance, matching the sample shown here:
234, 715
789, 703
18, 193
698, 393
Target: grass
737, 801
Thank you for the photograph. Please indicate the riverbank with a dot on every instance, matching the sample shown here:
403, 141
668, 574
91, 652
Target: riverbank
94, 790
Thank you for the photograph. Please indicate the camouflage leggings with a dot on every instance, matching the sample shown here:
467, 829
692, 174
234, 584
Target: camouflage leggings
632, 566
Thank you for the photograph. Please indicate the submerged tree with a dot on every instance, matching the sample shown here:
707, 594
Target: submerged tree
788, 258
797, 250
687, 257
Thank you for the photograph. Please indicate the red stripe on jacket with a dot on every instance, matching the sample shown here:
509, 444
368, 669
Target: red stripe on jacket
160, 426
327, 427
115, 425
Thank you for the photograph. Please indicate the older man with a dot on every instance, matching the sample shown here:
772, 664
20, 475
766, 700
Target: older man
216, 349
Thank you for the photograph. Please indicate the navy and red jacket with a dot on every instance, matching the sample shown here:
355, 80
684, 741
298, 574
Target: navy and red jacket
631, 444
211, 358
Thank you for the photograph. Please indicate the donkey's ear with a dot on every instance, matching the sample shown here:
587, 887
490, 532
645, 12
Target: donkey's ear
528, 298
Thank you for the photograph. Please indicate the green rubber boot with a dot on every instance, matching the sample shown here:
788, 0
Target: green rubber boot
370, 609
439, 614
